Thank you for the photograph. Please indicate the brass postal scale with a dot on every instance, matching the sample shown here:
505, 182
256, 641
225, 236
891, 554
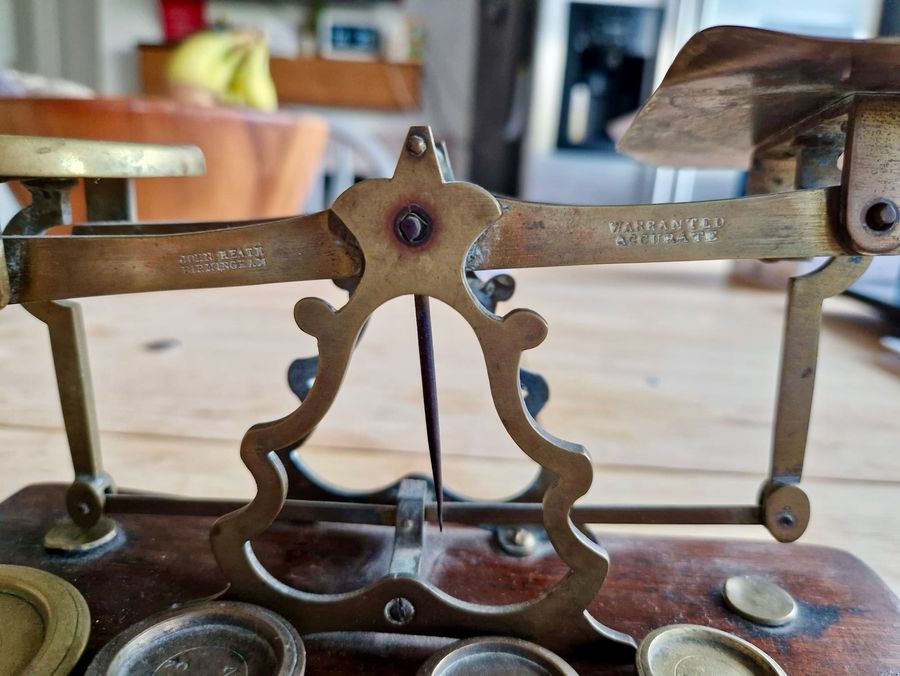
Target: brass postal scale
449, 585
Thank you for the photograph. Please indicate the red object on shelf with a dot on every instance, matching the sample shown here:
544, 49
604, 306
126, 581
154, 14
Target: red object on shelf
181, 18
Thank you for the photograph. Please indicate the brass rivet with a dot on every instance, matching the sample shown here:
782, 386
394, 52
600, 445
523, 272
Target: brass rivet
416, 145
759, 600
413, 225
523, 537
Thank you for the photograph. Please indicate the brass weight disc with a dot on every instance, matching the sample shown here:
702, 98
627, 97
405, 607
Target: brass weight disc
757, 599
679, 649
495, 655
44, 622
205, 639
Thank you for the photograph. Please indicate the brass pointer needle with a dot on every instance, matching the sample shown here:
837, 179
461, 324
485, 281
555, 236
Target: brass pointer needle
429, 398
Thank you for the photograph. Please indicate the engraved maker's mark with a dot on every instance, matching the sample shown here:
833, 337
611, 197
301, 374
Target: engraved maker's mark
223, 260
693, 230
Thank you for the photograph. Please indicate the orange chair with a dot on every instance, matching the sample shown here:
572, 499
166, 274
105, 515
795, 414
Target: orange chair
257, 164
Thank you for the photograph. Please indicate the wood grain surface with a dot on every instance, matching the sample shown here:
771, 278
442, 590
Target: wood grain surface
848, 620
665, 372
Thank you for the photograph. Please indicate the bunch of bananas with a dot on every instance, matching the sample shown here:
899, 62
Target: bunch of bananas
223, 66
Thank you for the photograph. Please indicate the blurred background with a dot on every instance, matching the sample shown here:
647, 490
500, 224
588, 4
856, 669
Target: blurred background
665, 372
523, 91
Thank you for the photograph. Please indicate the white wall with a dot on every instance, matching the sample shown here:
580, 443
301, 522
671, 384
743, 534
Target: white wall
94, 42
122, 24
7, 33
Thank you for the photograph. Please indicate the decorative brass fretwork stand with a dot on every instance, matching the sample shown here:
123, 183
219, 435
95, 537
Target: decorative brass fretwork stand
454, 215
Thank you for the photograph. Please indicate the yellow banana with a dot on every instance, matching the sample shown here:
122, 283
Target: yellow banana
251, 84
208, 60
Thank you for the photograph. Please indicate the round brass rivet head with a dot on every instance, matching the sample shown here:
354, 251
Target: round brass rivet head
517, 541
413, 225
786, 512
757, 599
495, 655
682, 649
416, 145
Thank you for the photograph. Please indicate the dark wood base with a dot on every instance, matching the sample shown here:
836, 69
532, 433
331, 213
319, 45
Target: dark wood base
849, 620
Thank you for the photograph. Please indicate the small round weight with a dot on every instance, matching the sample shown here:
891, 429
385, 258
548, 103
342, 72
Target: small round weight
693, 649
495, 655
205, 639
757, 599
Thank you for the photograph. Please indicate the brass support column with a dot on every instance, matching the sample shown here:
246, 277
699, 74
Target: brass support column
87, 527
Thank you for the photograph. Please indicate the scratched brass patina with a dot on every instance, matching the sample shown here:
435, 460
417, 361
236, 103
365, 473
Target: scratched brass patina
732, 89
45, 157
434, 267
44, 622
823, 151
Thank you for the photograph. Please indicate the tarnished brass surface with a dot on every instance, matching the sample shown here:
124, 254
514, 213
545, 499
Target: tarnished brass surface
682, 649
46, 157
495, 655
794, 225
207, 638
67, 536
432, 266
289, 249
785, 507
784, 504
4, 278
76, 392
800, 356
472, 513
871, 188
791, 225
44, 622
732, 89
759, 600
87, 528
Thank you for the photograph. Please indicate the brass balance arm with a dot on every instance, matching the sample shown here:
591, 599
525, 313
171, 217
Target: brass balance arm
317, 246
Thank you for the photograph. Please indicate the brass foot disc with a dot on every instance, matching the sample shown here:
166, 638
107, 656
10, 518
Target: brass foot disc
495, 655
757, 599
694, 649
44, 622
66, 536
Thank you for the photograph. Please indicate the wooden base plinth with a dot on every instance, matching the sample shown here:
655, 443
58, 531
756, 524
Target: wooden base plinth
848, 621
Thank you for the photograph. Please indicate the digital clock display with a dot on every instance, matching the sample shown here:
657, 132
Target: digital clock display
349, 38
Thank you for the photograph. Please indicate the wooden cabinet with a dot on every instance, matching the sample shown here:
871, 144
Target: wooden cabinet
375, 85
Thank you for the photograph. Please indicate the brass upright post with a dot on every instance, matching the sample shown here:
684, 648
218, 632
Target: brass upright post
87, 527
